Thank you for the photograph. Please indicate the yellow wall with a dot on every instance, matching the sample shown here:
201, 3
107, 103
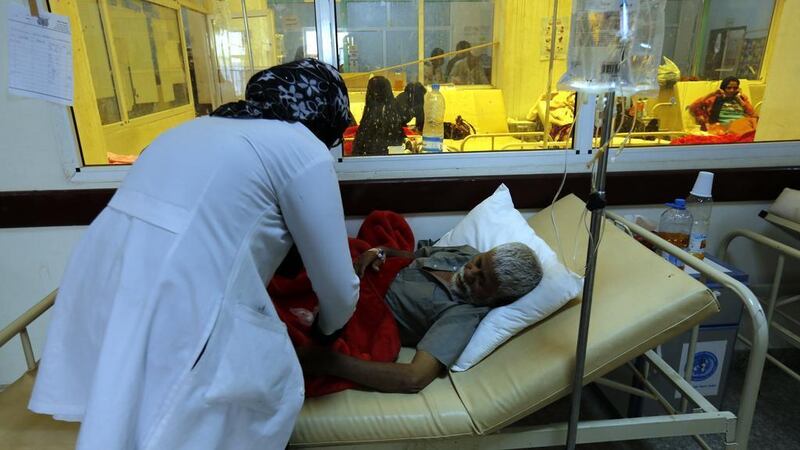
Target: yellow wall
521, 73
779, 110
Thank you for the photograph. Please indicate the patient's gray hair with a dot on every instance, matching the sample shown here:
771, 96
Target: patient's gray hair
517, 269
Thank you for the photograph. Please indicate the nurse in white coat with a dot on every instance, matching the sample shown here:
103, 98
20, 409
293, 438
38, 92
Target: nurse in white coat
163, 335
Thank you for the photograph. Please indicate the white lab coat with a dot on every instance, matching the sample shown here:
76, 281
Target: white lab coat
163, 335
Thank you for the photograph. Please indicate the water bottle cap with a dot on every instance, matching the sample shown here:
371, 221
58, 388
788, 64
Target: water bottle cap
679, 203
435, 86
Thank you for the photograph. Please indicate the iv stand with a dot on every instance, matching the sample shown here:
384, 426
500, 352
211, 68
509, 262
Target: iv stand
596, 204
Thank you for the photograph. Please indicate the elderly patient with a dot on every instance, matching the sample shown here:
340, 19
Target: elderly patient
438, 301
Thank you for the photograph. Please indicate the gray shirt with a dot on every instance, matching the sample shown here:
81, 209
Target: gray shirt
428, 314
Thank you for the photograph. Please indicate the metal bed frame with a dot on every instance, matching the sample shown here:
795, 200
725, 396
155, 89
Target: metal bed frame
773, 304
702, 418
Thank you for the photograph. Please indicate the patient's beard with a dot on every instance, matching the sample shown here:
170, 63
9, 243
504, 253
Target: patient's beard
459, 287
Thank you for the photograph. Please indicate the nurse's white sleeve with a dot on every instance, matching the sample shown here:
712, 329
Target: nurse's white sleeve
312, 209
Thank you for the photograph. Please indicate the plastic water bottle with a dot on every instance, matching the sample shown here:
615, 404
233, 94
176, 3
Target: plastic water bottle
433, 132
699, 204
674, 227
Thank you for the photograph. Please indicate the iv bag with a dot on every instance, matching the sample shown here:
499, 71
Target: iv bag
614, 45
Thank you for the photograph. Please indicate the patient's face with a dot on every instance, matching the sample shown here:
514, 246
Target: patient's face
731, 89
476, 282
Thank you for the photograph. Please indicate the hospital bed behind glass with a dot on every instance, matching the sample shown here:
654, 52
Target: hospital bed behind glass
640, 301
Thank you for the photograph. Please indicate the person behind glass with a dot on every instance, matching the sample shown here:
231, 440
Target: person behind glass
468, 70
382, 121
462, 45
171, 341
411, 103
717, 110
433, 68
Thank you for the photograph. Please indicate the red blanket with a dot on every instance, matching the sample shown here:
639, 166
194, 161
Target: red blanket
371, 333
726, 138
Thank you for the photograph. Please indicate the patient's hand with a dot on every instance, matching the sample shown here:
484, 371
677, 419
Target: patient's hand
716, 128
373, 258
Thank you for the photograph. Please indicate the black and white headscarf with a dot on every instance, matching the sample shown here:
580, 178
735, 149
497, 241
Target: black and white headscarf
306, 91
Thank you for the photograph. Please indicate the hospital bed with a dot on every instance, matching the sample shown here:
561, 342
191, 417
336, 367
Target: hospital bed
787, 217
640, 301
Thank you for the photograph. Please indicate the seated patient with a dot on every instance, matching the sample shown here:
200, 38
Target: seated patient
468, 70
716, 111
438, 301
411, 103
382, 121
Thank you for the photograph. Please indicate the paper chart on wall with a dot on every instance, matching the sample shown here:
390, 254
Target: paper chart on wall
39, 55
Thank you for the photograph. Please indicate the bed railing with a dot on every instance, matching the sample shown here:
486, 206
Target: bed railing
772, 303
758, 352
20, 327
524, 145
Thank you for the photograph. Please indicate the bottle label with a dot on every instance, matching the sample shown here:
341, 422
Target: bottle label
432, 143
697, 242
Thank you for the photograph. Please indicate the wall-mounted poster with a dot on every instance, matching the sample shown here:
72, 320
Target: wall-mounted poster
562, 27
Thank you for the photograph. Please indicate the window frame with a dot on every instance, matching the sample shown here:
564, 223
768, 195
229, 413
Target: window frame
473, 164
105, 15
126, 128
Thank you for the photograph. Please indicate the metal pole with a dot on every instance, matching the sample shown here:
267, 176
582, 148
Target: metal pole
689, 368
245, 21
597, 205
546, 135
421, 42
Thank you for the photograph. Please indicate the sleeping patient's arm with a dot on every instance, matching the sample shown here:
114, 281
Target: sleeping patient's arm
383, 376
376, 256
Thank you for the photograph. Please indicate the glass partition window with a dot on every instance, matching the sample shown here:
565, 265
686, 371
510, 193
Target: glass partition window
200, 56
392, 52
143, 66
717, 83
131, 77
384, 38
100, 63
257, 34
150, 57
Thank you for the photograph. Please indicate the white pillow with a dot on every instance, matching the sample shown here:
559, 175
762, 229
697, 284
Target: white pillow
787, 205
493, 222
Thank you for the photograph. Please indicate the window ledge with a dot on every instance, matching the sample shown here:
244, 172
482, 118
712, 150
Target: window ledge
99, 174
510, 163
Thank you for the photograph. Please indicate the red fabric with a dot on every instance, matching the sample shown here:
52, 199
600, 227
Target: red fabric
351, 132
371, 334
714, 139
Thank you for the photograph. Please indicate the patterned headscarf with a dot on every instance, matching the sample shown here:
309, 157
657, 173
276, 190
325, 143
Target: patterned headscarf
306, 91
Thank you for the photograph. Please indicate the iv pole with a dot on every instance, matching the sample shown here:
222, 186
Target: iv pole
596, 204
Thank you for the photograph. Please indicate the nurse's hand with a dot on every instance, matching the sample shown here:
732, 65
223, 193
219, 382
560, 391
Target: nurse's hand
374, 258
313, 359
